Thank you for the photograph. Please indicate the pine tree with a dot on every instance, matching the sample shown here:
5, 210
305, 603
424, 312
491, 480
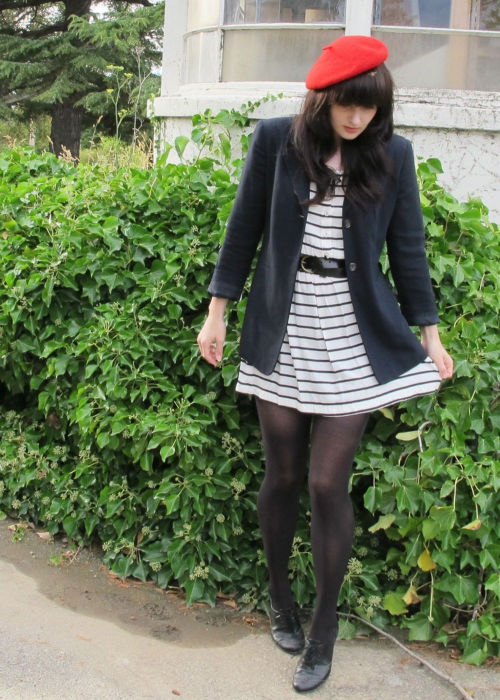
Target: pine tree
61, 58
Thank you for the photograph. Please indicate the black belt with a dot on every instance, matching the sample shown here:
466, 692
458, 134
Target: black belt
326, 267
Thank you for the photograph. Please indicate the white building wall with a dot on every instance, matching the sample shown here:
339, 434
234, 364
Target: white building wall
461, 129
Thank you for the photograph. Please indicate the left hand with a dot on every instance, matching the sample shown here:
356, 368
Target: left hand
432, 345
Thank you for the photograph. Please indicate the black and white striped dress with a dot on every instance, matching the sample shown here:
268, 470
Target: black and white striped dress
323, 367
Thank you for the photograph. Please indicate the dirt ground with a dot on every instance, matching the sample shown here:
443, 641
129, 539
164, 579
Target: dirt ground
84, 585
114, 639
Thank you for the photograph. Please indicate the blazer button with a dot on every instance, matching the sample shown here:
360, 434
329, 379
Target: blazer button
353, 267
347, 223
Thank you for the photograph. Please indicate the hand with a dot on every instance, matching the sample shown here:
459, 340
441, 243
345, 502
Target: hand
211, 339
435, 350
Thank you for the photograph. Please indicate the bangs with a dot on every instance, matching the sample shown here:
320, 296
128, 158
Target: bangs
371, 89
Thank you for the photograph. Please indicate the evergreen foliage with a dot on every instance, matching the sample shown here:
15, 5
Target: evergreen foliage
112, 428
62, 58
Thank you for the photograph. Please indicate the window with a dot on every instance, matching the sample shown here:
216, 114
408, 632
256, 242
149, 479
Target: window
425, 51
432, 43
279, 54
449, 14
303, 11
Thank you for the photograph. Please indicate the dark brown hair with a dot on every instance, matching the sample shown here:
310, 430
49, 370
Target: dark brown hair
364, 160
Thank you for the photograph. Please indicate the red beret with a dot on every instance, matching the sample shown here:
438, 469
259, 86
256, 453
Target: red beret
344, 58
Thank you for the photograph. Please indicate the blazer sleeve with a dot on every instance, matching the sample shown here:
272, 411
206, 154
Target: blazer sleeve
245, 225
406, 249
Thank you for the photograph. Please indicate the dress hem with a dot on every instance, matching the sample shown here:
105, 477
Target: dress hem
293, 403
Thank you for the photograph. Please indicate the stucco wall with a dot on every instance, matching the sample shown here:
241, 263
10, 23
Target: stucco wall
460, 128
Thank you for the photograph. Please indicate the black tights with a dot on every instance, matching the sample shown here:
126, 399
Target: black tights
333, 442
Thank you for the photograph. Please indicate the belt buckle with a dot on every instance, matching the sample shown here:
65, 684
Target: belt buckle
303, 264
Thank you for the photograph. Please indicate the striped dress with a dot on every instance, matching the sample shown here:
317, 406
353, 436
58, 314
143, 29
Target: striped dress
323, 367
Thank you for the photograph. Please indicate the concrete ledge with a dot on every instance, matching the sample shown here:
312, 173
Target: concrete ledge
415, 108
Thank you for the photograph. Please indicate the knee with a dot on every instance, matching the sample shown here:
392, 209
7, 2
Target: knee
325, 491
285, 483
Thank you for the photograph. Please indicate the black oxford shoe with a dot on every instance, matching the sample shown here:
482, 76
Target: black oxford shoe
286, 629
314, 665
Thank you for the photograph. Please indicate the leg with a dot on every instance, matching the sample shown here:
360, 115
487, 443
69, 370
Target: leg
334, 441
285, 434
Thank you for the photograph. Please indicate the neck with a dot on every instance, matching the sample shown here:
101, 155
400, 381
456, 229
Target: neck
335, 161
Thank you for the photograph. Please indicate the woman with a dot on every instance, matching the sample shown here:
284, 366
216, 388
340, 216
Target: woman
324, 341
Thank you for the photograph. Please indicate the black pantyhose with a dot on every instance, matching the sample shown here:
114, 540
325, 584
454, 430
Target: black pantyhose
286, 435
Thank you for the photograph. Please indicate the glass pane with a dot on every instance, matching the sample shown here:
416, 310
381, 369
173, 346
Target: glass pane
457, 60
415, 13
454, 14
489, 15
252, 11
273, 54
203, 13
202, 53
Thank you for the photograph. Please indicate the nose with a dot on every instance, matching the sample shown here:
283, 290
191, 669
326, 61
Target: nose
356, 116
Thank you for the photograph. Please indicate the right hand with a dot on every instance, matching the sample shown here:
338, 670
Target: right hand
211, 340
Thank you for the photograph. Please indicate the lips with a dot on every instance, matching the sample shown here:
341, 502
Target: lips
351, 129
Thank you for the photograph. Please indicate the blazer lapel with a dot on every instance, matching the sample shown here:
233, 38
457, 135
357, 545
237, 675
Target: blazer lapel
300, 181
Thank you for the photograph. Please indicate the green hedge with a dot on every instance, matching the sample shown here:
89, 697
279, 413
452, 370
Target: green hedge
112, 429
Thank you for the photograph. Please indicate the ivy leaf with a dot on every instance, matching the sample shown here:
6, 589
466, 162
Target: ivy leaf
167, 451
474, 525
383, 522
493, 584
180, 145
371, 498
194, 590
346, 629
394, 603
407, 436
122, 566
475, 651
411, 596
463, 588
420, 628
425, 561
219, 573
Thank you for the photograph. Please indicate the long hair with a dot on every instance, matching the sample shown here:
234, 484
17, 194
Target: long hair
364, 160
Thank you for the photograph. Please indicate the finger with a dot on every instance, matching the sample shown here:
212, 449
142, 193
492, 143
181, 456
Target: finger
445, 367
448, 361
209, 352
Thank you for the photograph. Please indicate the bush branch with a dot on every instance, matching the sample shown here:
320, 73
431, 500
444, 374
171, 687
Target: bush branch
420, 659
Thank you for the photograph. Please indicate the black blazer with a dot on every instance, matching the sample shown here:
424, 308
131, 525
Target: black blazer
267, 207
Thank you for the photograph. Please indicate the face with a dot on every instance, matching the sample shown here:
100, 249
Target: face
349, 121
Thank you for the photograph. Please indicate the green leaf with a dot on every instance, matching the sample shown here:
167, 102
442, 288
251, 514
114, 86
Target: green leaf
140, 571
475, 652
407, 436
464, 589
172, 502
122, 566
383, 522
371, 498
419, 628
194, 590
347, 630
180, 145
493, 584
219, 573
167, 451
394, 603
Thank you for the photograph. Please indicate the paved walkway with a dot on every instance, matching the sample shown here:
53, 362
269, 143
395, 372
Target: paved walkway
50, 651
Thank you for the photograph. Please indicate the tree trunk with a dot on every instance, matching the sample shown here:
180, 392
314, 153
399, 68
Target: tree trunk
66, 129
66, 124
